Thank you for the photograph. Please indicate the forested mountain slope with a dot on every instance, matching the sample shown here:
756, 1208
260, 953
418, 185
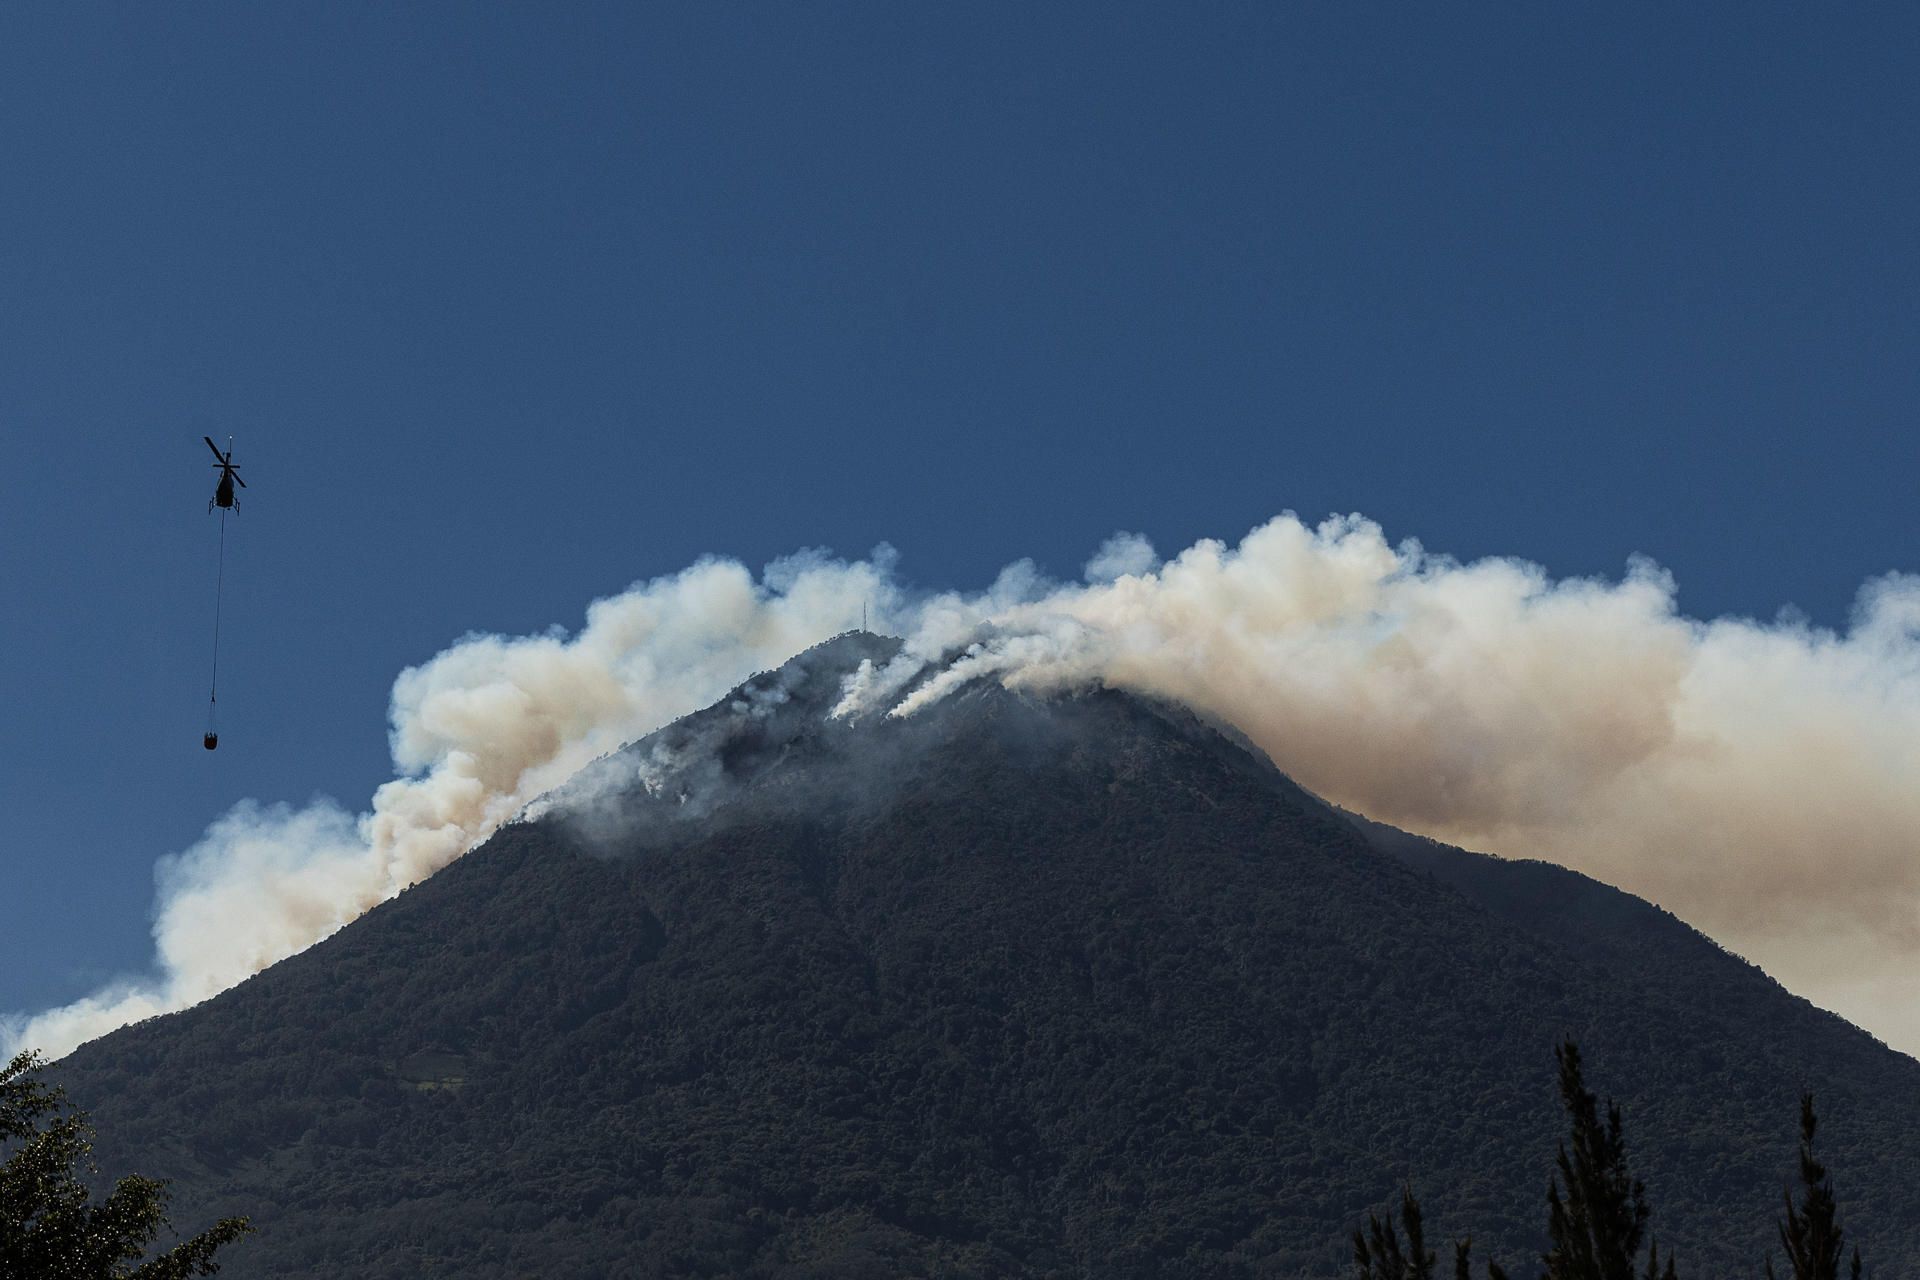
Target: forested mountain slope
1015, 986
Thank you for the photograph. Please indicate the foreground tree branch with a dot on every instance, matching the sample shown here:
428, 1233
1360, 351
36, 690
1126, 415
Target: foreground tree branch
49, 1223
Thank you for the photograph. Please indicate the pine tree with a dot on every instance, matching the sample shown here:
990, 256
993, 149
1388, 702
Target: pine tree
1810, 1232
1376, 1251
1597, 1211
1463, 1264
1597, 1223
49, 1225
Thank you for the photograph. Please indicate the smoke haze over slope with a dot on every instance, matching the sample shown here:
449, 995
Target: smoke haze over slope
1756, 778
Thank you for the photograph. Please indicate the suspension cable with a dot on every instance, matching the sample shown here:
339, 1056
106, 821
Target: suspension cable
219, 588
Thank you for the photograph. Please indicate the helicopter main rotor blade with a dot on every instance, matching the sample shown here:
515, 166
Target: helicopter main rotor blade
237, 480
216, 450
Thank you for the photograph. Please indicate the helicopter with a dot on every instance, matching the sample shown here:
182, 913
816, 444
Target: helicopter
229, 477
224, 499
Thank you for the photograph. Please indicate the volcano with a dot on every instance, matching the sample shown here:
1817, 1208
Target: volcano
1013, 986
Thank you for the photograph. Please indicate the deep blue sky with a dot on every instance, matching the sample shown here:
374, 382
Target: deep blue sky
510, 306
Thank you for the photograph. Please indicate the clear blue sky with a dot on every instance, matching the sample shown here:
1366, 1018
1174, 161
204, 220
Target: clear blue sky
508, 306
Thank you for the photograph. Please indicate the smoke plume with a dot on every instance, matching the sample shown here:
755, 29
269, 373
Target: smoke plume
476, 733
1761, 780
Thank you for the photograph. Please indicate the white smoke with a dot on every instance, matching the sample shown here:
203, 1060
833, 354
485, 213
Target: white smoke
477, 732
1122, 555
1762, 780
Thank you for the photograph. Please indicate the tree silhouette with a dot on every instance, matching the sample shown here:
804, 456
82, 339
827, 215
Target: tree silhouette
1597, 1222
1810, 1232
49, 1225
1377, 1253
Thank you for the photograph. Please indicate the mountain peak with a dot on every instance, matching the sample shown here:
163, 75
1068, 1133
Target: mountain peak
1011, 986
776, 746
